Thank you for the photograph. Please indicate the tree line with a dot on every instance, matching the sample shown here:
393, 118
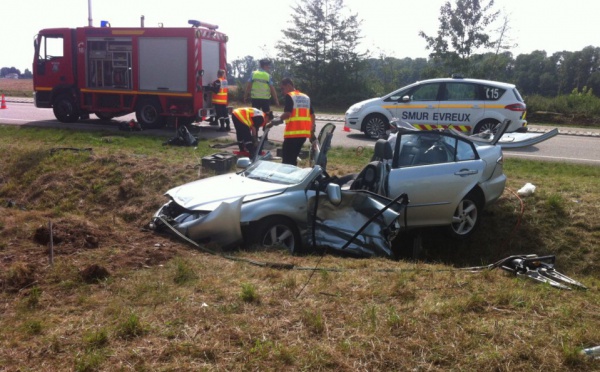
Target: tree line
6, 71
319, 51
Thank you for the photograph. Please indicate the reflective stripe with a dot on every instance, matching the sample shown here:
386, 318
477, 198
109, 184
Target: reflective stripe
299, 124
220, 98
245, 115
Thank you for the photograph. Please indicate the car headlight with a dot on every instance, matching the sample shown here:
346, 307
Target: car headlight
355, 108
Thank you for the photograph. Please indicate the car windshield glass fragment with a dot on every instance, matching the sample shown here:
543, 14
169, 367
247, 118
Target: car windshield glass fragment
276, 172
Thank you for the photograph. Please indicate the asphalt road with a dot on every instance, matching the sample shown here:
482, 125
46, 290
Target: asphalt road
574, 145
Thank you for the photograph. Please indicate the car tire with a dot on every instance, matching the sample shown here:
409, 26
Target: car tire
277, 232
375, 126
65, 109
489, 124
466, 217
148, 114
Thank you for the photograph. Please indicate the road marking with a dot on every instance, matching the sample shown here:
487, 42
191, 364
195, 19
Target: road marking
517, 155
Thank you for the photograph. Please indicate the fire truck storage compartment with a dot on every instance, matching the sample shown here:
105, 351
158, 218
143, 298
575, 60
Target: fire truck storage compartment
210, 61
163, 64
109, 63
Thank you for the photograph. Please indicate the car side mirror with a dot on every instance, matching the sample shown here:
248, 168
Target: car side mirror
334, 193
405, 99
243, 162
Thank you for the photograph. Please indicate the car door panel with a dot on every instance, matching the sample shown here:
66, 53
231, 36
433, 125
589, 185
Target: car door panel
434, 190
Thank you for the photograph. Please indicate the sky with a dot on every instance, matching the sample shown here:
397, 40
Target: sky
389, 27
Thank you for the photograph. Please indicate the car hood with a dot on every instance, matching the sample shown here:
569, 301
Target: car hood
207, 194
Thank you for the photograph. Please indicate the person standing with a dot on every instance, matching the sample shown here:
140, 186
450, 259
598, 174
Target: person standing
299, 118
260, 87
220, 99
247, 121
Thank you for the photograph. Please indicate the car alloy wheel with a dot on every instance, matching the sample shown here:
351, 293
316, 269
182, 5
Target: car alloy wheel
277, 232
375, 126
466, 217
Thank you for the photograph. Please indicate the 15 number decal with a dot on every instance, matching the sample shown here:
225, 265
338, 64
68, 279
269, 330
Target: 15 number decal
492, 93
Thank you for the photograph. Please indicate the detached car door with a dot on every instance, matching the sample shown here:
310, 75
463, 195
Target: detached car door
436, 170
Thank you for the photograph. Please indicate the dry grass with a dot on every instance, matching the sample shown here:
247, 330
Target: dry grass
161, 305
16, 87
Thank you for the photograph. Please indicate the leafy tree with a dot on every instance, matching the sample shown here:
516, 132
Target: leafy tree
27, 74
9, 70
462, 31
319, 50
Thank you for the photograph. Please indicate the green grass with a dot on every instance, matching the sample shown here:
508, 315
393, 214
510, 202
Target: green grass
168, 306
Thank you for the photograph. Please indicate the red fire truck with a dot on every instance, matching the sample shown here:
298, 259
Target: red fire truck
155, 72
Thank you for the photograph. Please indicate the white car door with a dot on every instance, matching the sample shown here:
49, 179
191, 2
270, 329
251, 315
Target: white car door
417, 105
436, 172
460, 106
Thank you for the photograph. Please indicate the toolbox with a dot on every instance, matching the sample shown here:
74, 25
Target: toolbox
220, 162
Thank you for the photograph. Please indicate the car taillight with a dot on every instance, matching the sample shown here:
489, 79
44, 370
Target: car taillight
516, 107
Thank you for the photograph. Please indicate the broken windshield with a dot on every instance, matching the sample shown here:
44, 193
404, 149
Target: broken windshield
276, 172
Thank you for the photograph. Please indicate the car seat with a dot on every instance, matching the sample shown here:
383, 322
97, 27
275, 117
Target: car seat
373, 177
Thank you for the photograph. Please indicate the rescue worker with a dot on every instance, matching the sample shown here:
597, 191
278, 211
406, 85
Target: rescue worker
260, 87
299, 118
220, 99
247, 121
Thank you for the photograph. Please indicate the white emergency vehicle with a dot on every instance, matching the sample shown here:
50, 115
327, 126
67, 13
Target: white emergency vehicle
467, 105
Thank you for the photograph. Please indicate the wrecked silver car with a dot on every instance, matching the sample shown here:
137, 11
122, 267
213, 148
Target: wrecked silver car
449, 178
274, 204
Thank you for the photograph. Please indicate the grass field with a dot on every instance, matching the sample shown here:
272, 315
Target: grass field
16, 87
120, 297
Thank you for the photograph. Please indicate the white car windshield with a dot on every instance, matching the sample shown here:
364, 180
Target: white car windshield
276, 172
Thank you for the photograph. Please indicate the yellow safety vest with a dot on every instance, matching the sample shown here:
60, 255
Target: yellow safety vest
260, 85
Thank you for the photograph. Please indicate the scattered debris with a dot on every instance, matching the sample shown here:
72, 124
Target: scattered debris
592, 352
540, 269
183, 138
130, 126
73, 149
526, 190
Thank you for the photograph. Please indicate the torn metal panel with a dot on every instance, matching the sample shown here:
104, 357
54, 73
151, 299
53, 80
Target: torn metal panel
214, 226
336, 225
540, 269
518, 140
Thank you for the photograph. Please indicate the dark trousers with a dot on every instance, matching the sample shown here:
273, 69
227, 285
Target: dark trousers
264, 105
244, 136
222, 115
291, 149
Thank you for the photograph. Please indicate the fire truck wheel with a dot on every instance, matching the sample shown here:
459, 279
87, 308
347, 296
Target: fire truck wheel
65, 109
148, 114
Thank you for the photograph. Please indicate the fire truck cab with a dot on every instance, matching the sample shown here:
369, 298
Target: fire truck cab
108, 71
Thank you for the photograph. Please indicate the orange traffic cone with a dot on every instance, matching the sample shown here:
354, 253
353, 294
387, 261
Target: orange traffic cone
3, 106
346, 129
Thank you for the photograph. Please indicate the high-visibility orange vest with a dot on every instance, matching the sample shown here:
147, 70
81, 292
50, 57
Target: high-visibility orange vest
220, 98
299, 124
246, 114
